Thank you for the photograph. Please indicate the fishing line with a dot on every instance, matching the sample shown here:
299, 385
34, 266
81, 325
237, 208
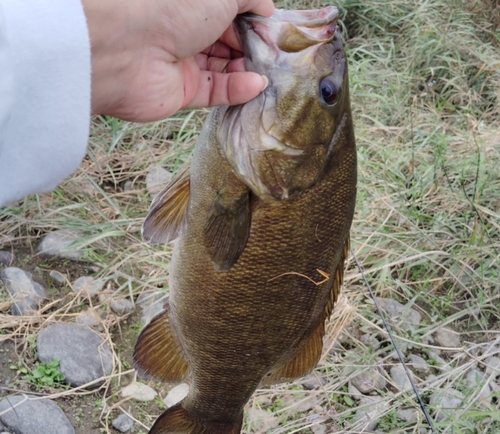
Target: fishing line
393, 340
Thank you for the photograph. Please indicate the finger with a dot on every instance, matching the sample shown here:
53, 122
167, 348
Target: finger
215, 88
260, 7
216, 64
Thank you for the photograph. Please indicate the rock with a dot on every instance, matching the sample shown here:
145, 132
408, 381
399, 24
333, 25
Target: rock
27, 293
401, 380
177, 394
88, 285
139, 392
370, 341
91, 317
409, 415
123, 423
84, 355
369, 412
475, 378
34, 416
445, 401
418, 362
121, 306
369, 380
447, 337
6, 257
58, 277
438, 361
311, 381
157, 179
152, 304
399, 312
354, 391
492, 366
58, 243
261, 420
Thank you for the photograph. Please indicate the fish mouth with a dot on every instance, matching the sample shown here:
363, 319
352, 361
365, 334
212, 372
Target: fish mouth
287, 31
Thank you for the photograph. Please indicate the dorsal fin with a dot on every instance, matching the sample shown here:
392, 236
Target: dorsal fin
168, 212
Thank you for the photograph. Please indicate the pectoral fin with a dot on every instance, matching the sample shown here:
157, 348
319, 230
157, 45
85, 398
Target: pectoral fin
228, 226
168, 212
157, 353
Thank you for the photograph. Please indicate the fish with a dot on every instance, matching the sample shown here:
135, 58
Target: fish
261, 219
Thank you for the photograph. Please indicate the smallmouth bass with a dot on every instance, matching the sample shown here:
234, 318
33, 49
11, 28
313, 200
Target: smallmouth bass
262, 218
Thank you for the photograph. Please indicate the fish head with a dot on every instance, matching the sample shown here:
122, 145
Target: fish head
295, 119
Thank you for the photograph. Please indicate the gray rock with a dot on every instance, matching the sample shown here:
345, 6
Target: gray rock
369, 412
6, 257
34, 416
447, 337
369, 380
157, 179
88, 285
139, 391
311, 381
401, 380
27, 293
492, 366
404, 315
445, 401
370, 341
418, 362
121, 306
152, 304
91, 317
475, 379
84, 355
58, 243
261, 420
438, 360
58, 277
177, 394
354, 391
123, 423
409, 415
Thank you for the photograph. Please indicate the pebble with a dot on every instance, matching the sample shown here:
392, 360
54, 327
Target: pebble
27, 293
6, 257
369, 411
34, 416
157, 179
438, 360
91, 317
177, 394
445, 401
88, 285
261, 420
84, 355
312, 381
492, 366
409, 415
121, 306
58, 277
354, 391
447, 337
123, 423
152, 304
58, 244
139, 391
418, 362
475, 378
397, 311
401, 380
369, 380
370, 341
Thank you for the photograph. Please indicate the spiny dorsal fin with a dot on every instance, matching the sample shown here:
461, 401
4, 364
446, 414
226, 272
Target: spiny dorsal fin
309, 350
228, 226
157, 353
168, 212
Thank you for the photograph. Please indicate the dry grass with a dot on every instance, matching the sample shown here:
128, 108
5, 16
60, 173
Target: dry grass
425, 80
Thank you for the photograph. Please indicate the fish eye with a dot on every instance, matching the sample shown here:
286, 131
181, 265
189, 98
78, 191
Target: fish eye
329, 91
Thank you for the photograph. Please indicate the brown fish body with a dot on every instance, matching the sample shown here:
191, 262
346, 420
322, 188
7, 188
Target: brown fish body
255, 272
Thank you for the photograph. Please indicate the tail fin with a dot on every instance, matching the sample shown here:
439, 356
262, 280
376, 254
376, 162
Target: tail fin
177, 420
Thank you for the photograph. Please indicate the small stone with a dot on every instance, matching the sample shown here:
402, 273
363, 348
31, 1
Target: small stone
88, 285
157, 179
27, 293
354, 391
409, 415
84, 355
91, 317
34, 416
492, 366
370, 341
6, 257
123, 423
447, 337
139, 391
369, 412
312, 381
128, 186
445, 401
58, 243
261, 420
401, 380
152, 304
438, 361
418, 362
399, 312
121, 306
177, 394
475, 378
369, 380
58, 277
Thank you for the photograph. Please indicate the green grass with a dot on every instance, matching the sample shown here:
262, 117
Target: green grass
425, 80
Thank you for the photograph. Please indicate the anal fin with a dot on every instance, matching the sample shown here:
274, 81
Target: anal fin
157, 353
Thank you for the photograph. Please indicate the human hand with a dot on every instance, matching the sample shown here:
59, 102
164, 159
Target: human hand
153, 58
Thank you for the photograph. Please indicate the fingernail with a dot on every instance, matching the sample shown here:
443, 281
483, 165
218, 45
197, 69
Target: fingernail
266, 82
